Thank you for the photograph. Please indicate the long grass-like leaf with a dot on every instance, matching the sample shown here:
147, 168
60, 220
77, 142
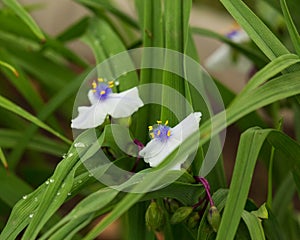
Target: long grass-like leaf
10, 67
3, 158
21, 12
256, 56
10, 106
291, 26
249, 148
12, 188
53, 104
256, 29
254, 226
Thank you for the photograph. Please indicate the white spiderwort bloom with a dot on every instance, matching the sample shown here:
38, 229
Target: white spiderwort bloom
104, 101
225, 57
165, 139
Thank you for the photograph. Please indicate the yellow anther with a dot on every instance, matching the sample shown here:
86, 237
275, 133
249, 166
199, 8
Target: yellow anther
100, 80
150, 128
111, 82
102, 92
94, 90
169, 133
159, 122
158, 132
166, 123
151, 135
94, 84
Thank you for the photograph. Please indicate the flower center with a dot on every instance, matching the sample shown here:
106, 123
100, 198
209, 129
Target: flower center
102, 89
160, 131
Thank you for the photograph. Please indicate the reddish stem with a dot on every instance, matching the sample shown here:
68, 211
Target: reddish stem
207, 188
140, 147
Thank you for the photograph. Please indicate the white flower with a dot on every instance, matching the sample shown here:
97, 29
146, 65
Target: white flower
166, 139
225, 57
104, 101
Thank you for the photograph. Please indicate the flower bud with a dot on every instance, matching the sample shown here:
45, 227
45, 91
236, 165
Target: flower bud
154, 217
193, 220
181, 214
213, 218
172, 205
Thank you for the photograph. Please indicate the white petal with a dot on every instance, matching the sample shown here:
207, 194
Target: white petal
123, 104
152, 151
156, 151
240, 37
186, 127
89, 117
219, 59
92, 98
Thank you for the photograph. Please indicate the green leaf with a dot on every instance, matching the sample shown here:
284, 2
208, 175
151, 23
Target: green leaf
3, 159
99, 37
249, 148
23, 84
254, 226
45, 112
272, 91
10, 106
270, 70
9, 67
75, 31
106, 5
176, 36
283, 197
150, 16
256, 29
21, 12
291, 26
9, 139
12, 188
54, 196
255, 55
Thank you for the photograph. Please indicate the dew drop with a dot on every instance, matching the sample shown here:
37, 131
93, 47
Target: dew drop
64, 155
80, 181
63, 185
117, 83
79, 145
31, 215
35, 199
91, 175
47, 182
25, 197
70, 154
51, 180
58, 194
69, 194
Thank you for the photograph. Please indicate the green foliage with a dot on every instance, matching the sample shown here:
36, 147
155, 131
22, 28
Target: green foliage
43, 173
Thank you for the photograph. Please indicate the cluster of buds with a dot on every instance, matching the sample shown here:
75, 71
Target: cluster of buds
190, 215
